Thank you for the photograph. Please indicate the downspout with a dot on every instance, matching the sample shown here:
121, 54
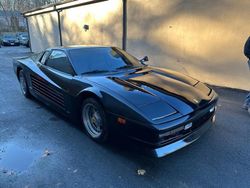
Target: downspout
124, 28
59, 27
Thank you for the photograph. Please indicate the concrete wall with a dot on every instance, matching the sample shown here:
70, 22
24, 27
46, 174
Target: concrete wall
43, 31
201, 38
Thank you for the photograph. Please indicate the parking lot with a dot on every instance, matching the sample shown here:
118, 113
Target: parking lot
40, 148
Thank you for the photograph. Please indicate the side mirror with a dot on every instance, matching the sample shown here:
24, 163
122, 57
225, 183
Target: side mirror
143, 60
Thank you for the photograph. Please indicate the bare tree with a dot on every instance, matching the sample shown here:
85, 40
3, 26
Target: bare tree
12, 9
5, 13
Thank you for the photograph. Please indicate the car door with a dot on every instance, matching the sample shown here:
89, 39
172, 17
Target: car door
55, 85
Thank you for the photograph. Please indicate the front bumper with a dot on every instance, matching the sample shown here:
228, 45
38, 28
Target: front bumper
11, 43
162, 139
170, 148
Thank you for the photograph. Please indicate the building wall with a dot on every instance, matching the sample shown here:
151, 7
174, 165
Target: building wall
104, 20
43, 31
201, 38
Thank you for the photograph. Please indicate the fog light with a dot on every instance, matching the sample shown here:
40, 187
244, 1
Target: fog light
188, 126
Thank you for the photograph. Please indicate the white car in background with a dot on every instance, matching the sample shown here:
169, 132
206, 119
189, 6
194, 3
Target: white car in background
23, 38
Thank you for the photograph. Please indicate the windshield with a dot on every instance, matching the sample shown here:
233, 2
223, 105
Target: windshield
9, 37
24, 35
101, 59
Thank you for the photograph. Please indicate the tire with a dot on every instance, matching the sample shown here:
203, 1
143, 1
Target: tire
94, 120
23, 84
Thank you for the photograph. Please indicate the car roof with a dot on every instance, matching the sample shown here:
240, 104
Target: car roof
77, 47
9, 35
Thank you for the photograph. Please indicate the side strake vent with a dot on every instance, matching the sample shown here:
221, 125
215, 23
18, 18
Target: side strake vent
40, 87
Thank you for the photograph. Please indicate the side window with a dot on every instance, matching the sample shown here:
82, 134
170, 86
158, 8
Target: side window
58, 60
44, 57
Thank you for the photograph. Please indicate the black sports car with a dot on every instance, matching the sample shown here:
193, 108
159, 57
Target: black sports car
113, 92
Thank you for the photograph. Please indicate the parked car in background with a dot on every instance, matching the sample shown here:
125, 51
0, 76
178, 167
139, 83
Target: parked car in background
10, 40
23, 38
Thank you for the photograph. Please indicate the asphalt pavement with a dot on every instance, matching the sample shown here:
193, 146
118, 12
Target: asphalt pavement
40, 148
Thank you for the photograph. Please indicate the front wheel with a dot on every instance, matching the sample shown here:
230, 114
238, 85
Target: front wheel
94, 120
23, 84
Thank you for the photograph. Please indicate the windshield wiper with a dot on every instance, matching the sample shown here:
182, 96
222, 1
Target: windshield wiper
125, 67
96, 71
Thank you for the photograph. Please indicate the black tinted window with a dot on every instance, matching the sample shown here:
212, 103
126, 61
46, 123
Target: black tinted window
59, 61
101, 59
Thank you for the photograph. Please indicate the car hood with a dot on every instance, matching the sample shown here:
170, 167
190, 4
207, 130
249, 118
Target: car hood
156, 88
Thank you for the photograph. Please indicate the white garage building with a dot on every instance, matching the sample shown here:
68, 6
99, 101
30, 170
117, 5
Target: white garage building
75, 22
202, 38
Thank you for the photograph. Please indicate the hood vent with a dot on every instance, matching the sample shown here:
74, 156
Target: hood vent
131, 85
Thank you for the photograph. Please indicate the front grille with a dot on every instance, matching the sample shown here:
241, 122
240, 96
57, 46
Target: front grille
197, 122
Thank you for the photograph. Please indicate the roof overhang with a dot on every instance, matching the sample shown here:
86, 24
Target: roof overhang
59, 6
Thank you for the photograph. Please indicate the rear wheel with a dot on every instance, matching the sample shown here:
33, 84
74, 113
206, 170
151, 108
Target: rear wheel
23, 84
94, 120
